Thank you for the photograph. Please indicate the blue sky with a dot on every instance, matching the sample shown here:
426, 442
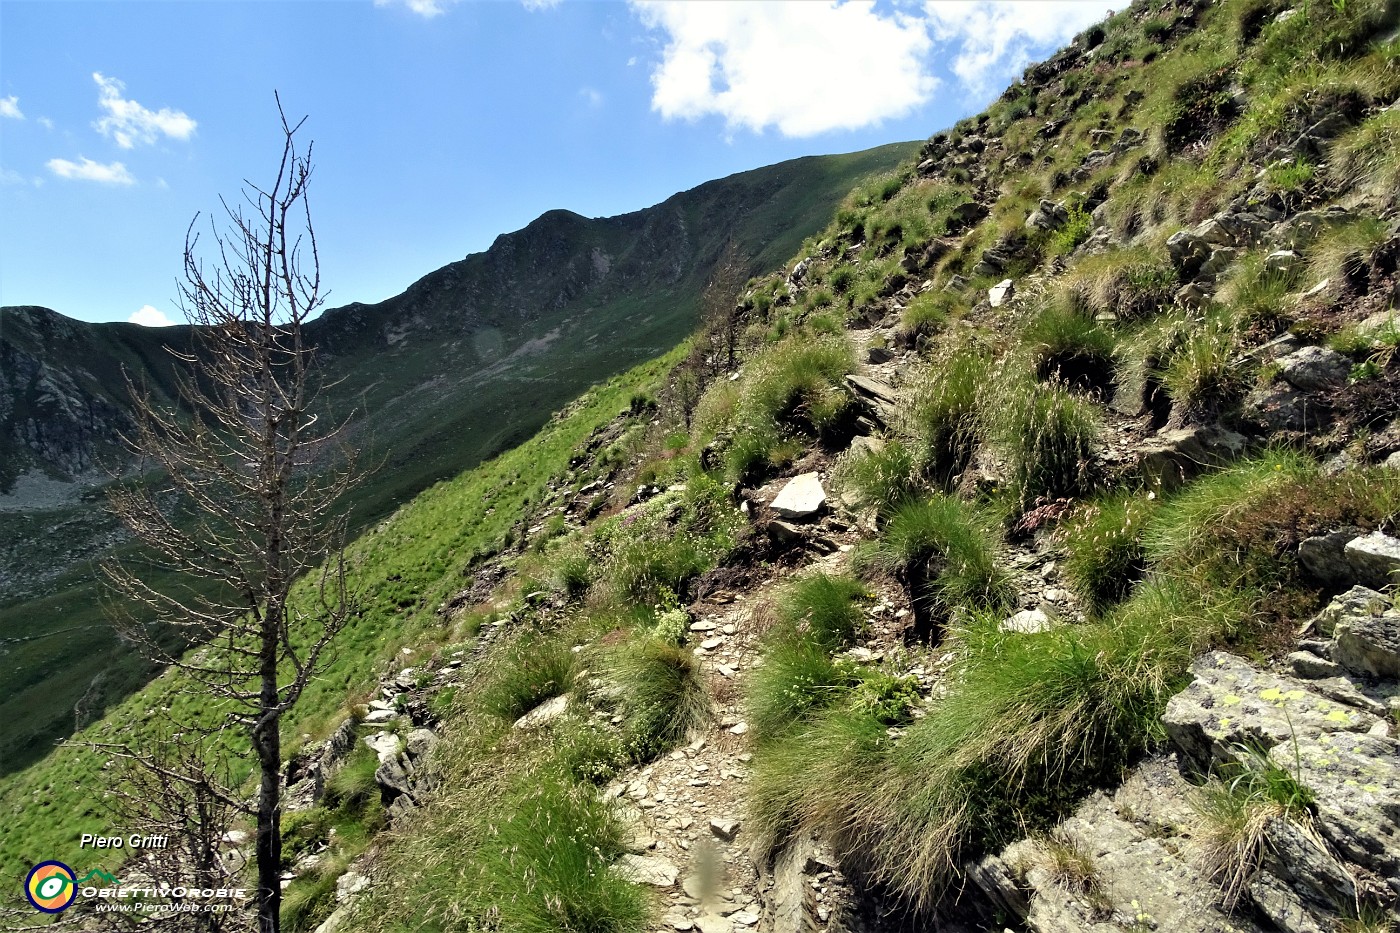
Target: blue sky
438, 124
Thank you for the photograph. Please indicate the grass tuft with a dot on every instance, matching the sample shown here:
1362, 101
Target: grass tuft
945, 549
663, 693
1104, 551
1234, 815
1049, 436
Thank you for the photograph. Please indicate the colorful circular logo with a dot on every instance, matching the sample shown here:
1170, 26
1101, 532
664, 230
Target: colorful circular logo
51, 887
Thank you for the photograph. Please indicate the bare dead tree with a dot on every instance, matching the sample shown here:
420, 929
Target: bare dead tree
722, 314
255, 504
179, 793
715, 349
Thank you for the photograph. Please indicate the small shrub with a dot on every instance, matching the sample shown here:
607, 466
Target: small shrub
1072, 232
888, 698
671, 626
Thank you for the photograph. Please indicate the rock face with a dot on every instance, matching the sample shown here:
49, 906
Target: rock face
1326, 734
1315, 368
1366, 634
1141, 878
803, 497
1232, 703
1175, 455
1374, 559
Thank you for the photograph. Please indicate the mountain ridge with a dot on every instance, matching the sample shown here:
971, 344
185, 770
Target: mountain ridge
468, 361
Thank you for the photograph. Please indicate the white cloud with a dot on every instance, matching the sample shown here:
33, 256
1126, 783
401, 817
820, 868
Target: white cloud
591, 96
9, 107
804, 68
996, 40
46, 123
129, 123
148, 316
424, 8
88, 170
534, 6
9, 176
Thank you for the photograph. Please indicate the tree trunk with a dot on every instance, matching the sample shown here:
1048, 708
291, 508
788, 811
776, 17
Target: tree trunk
267, 739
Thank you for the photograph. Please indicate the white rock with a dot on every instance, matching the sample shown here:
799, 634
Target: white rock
1375, 559
385, 744
648, 869
725, 828
1028, 622
545, 713
1002, 292
803, 496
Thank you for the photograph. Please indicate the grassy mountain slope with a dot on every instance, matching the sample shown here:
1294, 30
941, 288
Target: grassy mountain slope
405, 568
1129, 422
469, 361
1183, 201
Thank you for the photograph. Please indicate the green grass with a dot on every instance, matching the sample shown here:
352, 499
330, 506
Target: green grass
1199, 371
664, 695
941, 415
798, 679
1050, 437
927, 313
1132, 283
1241, 527
1233, 817
403, 570
824, 609
1104, 553
517, 830
1029, 723
946, 551
1069, 346
790, 391
532, 669
878, 478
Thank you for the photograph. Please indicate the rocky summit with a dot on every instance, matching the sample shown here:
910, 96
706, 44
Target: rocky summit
1020, 554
